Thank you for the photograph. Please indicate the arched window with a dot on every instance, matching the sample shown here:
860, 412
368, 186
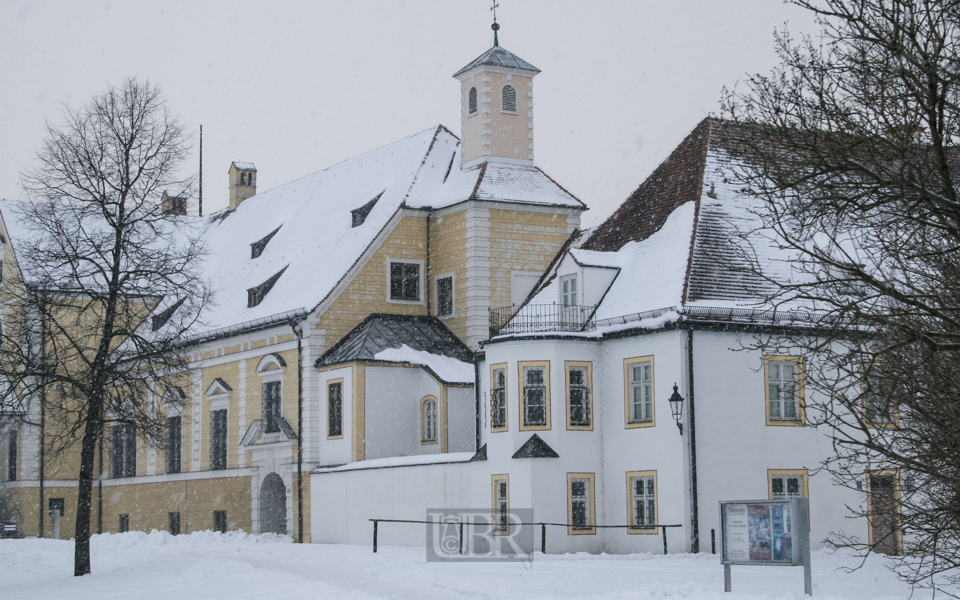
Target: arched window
428, 420
508, 99
472, 101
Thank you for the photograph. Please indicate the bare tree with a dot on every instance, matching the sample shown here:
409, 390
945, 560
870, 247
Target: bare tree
851, 151
108, 283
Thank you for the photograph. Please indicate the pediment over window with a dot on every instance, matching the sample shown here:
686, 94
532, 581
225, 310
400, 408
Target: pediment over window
254, 434
218, 387
271, 362
535, 447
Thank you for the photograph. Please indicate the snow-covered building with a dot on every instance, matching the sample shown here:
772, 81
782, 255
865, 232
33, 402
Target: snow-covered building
625, 391
348, 304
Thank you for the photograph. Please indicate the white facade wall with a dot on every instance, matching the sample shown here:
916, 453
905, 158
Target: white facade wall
335, 451
393, 396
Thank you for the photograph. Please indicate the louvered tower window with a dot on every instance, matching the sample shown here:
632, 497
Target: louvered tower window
472, 101
509, 99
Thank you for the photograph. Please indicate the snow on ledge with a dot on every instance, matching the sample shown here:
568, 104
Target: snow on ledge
450, 370
400, 461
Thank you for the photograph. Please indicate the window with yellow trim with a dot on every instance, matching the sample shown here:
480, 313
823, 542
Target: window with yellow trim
335, 409
639, 406
783, 376
783, 484
579, 376
501, 504
534, 395
498, 397
878, 411
642, 501
428, 420
581, 508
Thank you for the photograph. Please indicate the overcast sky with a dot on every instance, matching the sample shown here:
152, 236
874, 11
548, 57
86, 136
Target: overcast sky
295, 87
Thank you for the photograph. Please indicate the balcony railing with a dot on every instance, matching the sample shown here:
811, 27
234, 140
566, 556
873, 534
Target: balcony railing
540, 318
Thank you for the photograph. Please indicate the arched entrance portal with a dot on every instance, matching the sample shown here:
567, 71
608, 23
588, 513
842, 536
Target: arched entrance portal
273, 505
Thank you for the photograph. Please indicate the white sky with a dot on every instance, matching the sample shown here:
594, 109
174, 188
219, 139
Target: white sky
295, 87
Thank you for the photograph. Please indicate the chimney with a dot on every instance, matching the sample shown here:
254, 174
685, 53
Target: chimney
243, 182
173, 203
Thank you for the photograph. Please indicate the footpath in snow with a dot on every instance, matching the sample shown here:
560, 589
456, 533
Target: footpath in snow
238, 566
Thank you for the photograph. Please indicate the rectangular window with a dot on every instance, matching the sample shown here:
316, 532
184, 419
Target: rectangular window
581, 511
642, 501
883, 512
878, 411
404, 281
579, 384
271, 406
638, 391
220, 521
174, 443
501, 504
784, 484
534, 395
335, 409
445, 296
124, 523
123, 450
12, 455
784, 390
498, 397
568, 290
174, 523
218, 439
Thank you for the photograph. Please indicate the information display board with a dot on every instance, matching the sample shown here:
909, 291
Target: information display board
760, 532
765, 532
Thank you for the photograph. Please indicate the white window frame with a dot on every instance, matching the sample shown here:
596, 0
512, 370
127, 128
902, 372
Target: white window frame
420, 277
270, 376
588, 500
569, 291
785, 476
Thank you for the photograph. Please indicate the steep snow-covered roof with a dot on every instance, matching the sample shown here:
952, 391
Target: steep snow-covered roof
498, 56
676, 241
314, 242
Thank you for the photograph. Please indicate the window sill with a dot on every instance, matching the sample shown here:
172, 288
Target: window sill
785, 423
410, 302
640, 424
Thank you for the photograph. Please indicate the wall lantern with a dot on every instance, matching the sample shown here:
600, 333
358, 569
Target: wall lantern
676, 408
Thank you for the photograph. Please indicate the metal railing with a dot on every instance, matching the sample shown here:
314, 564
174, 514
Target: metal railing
543, 529
540, 318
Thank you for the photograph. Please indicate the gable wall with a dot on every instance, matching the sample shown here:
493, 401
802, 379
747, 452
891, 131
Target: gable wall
448, 239
367, 293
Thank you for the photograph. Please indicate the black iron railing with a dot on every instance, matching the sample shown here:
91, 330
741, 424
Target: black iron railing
540, 318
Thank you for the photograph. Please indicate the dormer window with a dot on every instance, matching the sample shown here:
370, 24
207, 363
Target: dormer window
256, 248
255, 295
472, 101
568, 290
360, 214
159, 320
508, 98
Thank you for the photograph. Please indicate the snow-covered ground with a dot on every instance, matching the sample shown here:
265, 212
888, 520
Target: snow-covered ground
238, 566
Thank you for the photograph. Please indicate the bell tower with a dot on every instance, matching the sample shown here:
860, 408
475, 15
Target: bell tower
496, 107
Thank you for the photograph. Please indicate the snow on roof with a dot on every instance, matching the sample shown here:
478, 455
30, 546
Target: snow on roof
498, 56
450, 370
246, 166
400, 461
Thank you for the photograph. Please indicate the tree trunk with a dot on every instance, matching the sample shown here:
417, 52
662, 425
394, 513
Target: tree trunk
81, 558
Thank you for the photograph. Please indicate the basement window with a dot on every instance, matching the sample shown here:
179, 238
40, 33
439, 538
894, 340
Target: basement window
360, 214
255, 295
256, 248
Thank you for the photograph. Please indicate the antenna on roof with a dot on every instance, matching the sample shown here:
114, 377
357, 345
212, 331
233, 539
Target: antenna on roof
496, 26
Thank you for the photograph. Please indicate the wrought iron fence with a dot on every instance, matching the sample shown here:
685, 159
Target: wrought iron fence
540, 318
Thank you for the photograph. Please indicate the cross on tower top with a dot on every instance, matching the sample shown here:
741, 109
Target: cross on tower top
496, 26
